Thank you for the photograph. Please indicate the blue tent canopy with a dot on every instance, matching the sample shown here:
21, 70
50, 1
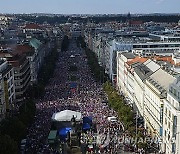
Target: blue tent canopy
73, 85
87, 120
63, 132
86, 126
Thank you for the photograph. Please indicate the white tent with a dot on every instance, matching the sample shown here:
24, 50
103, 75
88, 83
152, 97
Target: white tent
72, 56
66, 115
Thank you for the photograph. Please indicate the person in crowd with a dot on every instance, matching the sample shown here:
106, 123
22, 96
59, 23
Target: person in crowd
87, 98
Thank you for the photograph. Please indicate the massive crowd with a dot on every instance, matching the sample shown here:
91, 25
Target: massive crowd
88, 98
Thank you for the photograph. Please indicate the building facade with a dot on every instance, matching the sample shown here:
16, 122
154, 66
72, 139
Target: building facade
171, 119
7, 88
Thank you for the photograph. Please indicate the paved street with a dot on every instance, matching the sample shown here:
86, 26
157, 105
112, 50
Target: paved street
87, 99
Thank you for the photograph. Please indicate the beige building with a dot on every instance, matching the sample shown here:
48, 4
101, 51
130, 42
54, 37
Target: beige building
171, 119
155, 92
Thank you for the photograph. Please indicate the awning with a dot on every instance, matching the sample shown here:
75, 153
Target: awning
67, 115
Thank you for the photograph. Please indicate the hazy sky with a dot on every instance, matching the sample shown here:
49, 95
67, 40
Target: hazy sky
89, 6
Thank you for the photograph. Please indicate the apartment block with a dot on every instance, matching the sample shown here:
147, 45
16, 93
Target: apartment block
153, 91
171, 119
7, 89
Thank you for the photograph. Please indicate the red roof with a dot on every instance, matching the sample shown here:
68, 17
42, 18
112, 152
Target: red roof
20, 49
136, 22
164, 58
14, 58
32, 26
137, 59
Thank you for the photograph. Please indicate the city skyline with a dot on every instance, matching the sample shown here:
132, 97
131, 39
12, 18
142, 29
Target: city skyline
90, 7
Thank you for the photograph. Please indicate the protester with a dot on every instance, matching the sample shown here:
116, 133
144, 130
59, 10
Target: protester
87, 97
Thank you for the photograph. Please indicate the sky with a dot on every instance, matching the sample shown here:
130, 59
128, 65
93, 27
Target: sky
90, 6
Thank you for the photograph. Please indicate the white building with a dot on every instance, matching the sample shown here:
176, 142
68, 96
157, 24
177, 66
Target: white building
146, 85
171, 119
158, 48
130, 78
146, 46
122, 58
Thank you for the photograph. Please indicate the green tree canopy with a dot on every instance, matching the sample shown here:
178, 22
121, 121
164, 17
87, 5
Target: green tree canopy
8, 145
13, 127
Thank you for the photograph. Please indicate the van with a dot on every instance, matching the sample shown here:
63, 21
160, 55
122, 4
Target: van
112, 119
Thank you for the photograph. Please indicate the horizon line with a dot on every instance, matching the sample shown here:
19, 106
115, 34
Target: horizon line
91, 13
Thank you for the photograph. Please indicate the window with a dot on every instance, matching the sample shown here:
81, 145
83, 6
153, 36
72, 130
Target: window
165, 121
169, 114
171, 89
165, 133
173, 102
172, 117
169, 136
169, 125
178, 95
166, 110
175, 92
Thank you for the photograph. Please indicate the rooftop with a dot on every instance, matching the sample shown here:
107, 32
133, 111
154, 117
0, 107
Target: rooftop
35, 43
164, 58
152, 65
143, 71
137, 59
20, 49
32, 26
162, 78
128, 55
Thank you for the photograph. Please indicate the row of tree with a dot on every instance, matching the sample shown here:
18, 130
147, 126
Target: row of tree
105, 18
47, 19
65, 43
97, 70
125, 113
14, 128
45, 73
145, 18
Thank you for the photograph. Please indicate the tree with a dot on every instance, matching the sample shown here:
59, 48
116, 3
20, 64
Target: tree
13, 127
65, 43
8, 145
96, 69
27, 112
117, 103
